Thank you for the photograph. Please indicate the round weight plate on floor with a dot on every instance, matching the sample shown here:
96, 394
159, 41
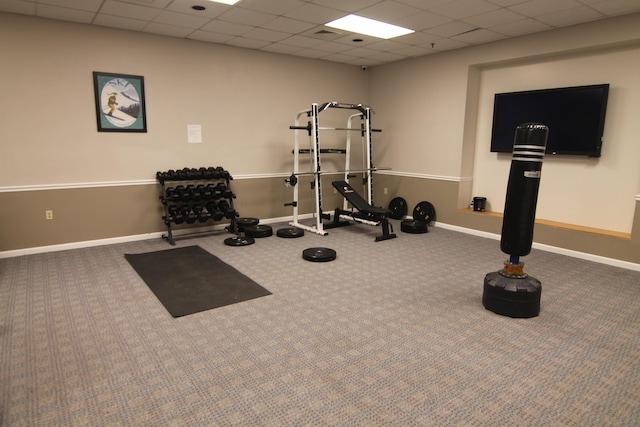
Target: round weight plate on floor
243, 222
258, 231
424, 211
319, 254
413, 226
239, 241
290, 232
398, 208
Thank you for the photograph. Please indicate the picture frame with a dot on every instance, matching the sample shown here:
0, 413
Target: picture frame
120, 102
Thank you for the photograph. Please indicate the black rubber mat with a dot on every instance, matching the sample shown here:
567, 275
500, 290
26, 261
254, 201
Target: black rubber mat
190, 280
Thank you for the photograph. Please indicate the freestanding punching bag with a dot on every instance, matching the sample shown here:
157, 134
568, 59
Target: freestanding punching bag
510, 291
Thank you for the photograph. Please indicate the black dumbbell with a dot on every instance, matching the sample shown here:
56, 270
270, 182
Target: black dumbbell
214, 212
188, 191
175, 215
201, 215
176, 194
189, 215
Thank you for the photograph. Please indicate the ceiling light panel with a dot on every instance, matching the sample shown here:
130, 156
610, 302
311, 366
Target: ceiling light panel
229, 2
369, 27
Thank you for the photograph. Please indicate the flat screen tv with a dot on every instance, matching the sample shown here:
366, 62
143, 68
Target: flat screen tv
574, 115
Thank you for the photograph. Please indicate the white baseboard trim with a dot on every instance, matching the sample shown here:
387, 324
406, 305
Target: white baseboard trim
132, 238
157, 235
547, 248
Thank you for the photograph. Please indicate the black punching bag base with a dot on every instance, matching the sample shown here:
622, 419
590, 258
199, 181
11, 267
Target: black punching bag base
511, 296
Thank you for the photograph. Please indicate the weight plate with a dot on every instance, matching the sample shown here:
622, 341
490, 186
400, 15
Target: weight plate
239, 241
414, 226
258, 231
398, 208
319, 254
424, 211
290, 232
243, 222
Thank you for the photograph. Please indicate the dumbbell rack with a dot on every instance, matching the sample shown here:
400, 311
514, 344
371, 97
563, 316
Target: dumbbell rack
196, 196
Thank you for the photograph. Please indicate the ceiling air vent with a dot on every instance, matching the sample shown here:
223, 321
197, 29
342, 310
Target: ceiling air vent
323, 33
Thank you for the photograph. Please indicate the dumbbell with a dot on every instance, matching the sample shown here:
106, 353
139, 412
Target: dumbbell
214, 212
218, 191
201, 215
188, 191
189, 215
175, 214
224, 206
176, 193
196, 193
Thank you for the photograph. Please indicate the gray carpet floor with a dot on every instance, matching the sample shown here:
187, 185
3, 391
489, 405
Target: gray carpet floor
391, 333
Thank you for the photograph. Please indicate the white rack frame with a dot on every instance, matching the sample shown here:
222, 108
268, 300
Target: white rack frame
315, 169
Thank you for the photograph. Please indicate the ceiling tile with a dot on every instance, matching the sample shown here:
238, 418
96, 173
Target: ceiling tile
180, 19
288, 25
301, 41
388, 11
18, 6
119, 22
448, 44
87, 5
315, 14
224, 27
460, 9
207, 36
422, 20
345, 5
535, 8
479, 36
246, 17
127, 10
495, 17
73, 15
247, 43
211, 9
267, 35
167, 30
526, 26
152, 3
273, 7
451, 29
617, 7
570, 16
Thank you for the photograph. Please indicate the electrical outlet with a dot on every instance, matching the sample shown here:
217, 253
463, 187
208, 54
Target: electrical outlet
385, 190
48, 214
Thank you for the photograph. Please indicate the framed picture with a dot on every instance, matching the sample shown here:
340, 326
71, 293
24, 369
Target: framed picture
120, 105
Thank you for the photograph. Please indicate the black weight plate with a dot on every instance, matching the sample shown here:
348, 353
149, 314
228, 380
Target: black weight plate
424, 211
319, 254
290, 232
239, 241
258, 231
414, 226
398, 208
243, 222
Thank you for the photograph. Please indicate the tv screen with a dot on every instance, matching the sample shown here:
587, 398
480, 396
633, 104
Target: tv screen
574, 115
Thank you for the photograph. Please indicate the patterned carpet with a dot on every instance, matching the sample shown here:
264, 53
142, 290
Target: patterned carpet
391, 333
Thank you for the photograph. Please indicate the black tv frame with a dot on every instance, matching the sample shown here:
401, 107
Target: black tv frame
575, 116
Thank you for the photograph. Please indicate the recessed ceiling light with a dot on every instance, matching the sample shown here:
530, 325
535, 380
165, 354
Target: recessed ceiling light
369, 27
229, 2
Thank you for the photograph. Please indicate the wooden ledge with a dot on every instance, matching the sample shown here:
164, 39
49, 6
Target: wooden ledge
563, 225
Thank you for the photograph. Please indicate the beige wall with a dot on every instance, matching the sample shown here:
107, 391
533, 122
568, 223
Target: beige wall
102, 185
434, 111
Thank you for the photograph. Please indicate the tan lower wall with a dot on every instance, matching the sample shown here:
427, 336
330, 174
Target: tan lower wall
444, 196
86, 214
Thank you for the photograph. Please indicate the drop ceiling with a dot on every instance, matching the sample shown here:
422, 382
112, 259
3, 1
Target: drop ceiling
296, 27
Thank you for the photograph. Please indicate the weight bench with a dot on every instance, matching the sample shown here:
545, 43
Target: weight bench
366, 212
